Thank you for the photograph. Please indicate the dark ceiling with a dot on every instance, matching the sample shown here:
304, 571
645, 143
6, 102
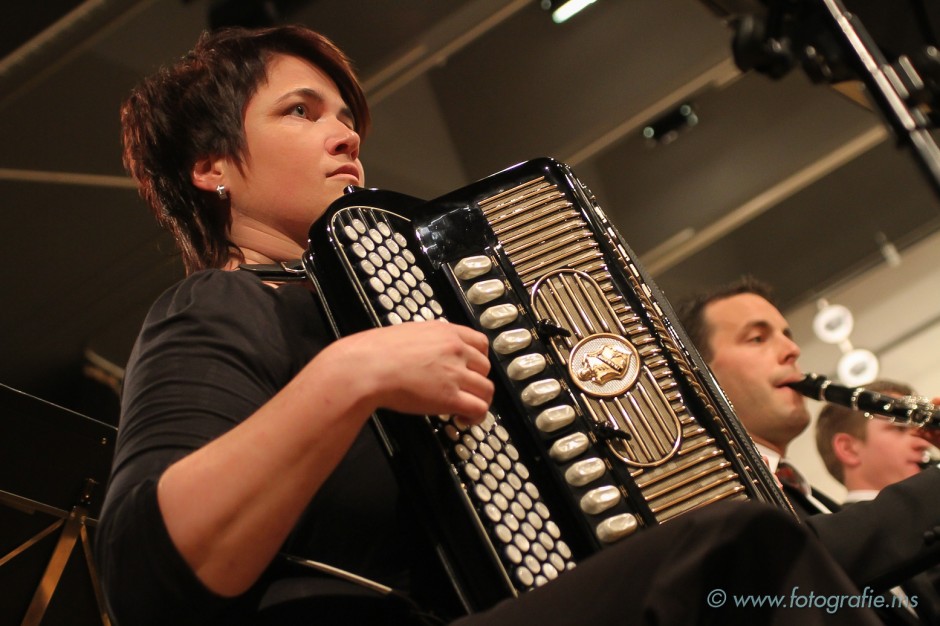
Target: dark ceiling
785, 179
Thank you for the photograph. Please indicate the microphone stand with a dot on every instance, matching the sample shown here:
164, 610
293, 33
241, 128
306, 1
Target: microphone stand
832, 45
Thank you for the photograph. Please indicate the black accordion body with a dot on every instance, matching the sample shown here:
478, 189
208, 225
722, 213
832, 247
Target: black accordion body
605, 419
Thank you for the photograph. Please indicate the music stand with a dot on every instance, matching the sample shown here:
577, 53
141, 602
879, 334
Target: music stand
54, 465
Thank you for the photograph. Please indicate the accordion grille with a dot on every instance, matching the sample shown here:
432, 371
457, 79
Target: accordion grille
676, 465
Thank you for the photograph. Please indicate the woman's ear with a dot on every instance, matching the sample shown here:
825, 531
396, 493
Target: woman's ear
208, 173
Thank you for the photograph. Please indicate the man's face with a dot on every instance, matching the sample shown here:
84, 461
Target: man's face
753, 358
890, 453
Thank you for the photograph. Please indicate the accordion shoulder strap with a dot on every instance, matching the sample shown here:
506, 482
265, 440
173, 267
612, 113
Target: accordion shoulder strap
283, 272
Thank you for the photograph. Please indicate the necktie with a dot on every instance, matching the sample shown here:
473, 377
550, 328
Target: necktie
791, 477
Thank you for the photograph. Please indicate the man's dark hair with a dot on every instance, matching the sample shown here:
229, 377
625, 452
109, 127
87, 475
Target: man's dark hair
691, 310
195, 108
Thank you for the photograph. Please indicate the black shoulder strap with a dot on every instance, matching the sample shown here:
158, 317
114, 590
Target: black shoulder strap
283, 272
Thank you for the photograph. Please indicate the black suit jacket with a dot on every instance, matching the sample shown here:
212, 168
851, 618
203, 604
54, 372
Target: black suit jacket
887, 541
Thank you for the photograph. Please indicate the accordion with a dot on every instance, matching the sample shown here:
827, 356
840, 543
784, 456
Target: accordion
605, 419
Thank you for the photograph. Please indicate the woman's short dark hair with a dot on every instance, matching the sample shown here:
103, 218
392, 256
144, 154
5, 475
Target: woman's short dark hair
195, 109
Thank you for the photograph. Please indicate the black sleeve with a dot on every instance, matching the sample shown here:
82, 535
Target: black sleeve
212, 350
883, 542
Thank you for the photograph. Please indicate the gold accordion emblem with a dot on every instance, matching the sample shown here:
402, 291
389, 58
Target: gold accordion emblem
604, 365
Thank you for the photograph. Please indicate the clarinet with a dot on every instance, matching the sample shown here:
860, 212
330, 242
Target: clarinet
915, 411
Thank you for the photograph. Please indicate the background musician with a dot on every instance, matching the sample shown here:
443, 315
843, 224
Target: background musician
866, 453
752, 352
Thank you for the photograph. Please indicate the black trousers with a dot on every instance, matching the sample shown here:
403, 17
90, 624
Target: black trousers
707, 567
698, 569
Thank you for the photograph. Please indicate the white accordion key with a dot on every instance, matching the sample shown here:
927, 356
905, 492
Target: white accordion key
584, 472
472, 266
499, 315
556, 417
486, 291
526, 365
599, 500
511, 341
616, 527
541, 391
569, 447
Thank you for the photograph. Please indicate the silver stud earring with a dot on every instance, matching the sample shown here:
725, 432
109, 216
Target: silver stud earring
223, 195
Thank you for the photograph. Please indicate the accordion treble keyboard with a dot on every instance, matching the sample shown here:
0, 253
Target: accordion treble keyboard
525, 538
599, 426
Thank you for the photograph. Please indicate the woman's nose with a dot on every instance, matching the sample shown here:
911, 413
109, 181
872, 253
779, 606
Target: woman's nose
345, 140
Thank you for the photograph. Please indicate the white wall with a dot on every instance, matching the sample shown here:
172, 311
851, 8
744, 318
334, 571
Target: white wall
897, 316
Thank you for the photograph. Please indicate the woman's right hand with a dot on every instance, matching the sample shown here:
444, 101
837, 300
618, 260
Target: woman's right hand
424, 368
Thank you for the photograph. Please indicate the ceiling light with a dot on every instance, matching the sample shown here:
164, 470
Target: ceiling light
564, 9
667, 126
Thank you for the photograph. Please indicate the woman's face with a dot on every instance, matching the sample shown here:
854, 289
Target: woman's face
301, 153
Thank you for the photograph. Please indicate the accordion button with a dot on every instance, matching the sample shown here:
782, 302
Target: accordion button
539, 551
499, 315
510, 341
555, 418
532, 564
569, 447
584, 472
599, 500
616, 527
541, 391
526, 503
472, 266
358, 250
525, 577
512, 553
486, 291
550, 572
525, 366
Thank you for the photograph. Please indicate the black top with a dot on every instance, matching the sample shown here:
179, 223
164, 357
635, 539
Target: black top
212, 350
